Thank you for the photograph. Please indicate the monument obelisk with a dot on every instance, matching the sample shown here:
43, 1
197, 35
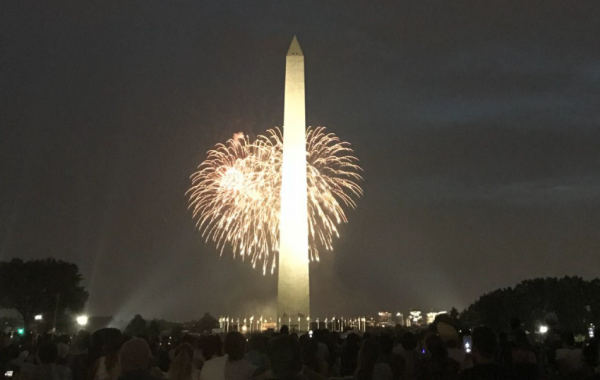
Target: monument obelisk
293, 298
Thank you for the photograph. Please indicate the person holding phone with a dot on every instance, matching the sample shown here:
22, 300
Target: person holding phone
485, 347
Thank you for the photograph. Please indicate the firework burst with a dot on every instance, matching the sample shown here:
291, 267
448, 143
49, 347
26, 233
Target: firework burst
236, 193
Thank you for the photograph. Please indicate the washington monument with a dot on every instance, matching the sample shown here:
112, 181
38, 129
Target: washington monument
293, 298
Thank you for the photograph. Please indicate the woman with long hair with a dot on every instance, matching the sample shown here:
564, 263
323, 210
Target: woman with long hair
107, 366
182, 367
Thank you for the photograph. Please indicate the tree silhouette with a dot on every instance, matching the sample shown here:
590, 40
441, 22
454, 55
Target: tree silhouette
137, 326
49, 287
575, 301
154, 328
207, 323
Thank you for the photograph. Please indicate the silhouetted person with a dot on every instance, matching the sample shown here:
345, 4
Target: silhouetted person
232, 366
107, 366
438, 365
256, 353
315, 368
48, 369
285, 330
451, 339
369, 366
407, 349
323, 339
95, 352
524, 361
522, 352
79, 354
569, 358
387, 356
349, 355
135, 360
237, 368
591, 354
484, 350
63, 344
182, 367
505, 350
552, 339
285, 357
211, 347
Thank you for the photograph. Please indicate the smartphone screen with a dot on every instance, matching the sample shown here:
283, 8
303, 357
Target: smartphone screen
467, 343
8, 374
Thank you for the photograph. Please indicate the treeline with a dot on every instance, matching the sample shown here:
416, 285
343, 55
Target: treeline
575, 301
52, 288
138, 326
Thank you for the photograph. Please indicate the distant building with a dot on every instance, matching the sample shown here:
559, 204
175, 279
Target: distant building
415, 317
431, 316
400, 319
385, 318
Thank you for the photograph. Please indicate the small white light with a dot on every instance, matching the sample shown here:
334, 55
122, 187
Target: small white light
543, 329
82, 320
38, 317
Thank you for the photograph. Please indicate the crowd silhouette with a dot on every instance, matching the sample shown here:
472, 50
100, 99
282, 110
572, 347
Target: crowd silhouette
435, 352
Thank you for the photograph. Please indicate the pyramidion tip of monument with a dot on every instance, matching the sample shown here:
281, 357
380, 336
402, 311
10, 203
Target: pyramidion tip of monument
295, 48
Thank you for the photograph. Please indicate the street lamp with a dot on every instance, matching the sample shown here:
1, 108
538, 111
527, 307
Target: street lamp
38, 317
82, 320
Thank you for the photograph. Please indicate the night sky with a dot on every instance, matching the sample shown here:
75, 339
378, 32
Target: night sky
477, 124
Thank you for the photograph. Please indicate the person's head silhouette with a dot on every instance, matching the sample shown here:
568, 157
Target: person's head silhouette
285, 357
484, 344
285, 330
235, 345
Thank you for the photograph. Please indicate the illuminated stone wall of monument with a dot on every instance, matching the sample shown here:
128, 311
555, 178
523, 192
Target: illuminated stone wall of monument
293, 298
